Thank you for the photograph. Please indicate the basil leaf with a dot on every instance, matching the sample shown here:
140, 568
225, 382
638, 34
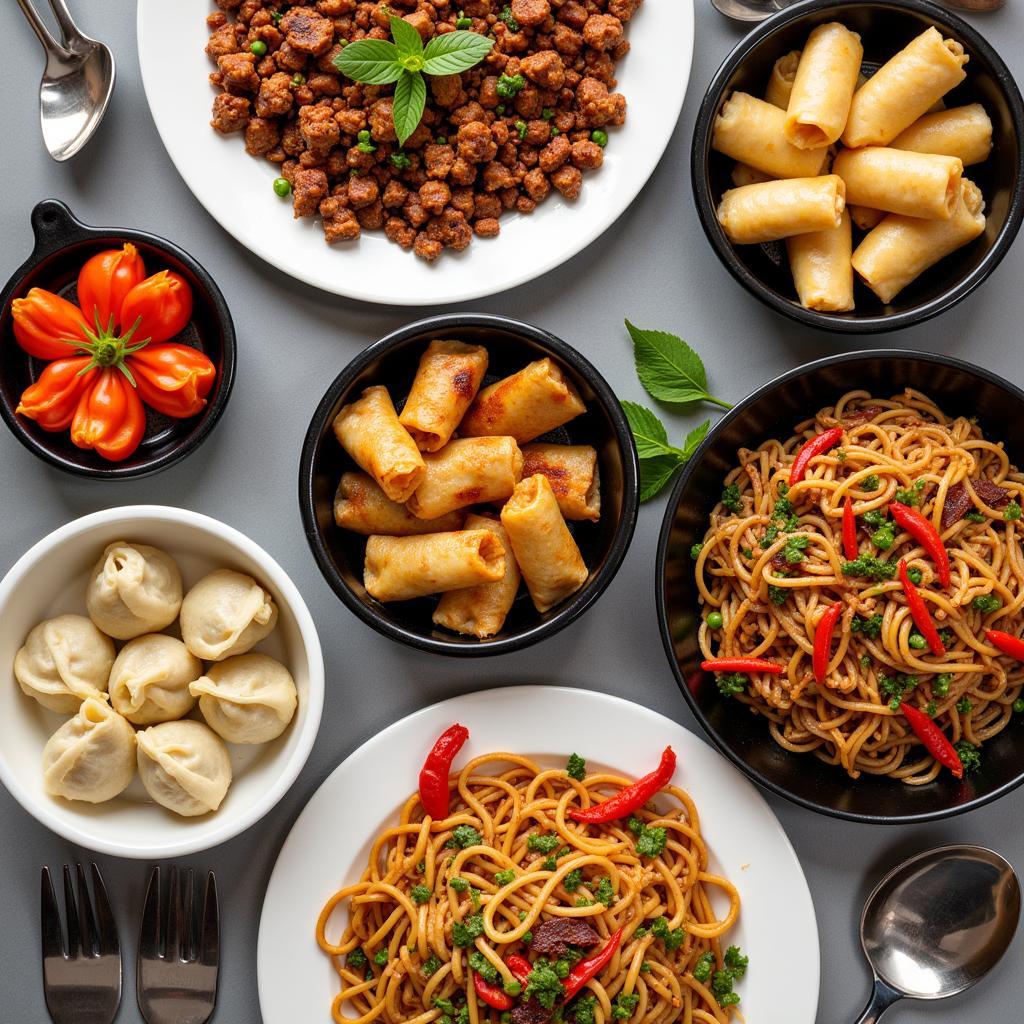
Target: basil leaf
407, 107
657, 469
648, 431
656, 472
695, 437
373, 61
668, 368
406, 38
454, 52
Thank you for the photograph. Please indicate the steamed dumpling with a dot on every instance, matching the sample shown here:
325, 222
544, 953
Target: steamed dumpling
250, 698
150, 679
184, 766
90, 757
64, 660
134, 589
226, 613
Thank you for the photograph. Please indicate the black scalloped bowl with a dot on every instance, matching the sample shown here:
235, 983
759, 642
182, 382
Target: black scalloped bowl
63, 244
771, 412
392, 361
885, 27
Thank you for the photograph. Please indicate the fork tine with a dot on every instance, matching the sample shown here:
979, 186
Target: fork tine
209, 941
49, 917
85, 915
74, 933
172, 943
188, 936
149, 933
108, 944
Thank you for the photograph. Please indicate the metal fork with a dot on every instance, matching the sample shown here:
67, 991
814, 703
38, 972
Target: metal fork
177, 975
82, 979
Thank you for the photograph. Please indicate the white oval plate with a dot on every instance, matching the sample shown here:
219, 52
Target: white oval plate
331, 838
236, 188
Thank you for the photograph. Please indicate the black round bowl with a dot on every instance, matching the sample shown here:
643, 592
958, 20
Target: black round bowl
392, 361
63, 244
885, 27
771, 412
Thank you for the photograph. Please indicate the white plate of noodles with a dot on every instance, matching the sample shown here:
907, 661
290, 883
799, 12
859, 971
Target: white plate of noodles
517, 861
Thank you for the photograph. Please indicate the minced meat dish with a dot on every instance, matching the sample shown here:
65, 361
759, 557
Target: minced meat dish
531, 117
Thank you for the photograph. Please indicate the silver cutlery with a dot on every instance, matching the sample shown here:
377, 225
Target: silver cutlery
937, 924
82, 976
758, 10
178, 958
77, 82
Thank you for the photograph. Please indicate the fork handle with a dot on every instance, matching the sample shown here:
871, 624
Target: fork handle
50, 45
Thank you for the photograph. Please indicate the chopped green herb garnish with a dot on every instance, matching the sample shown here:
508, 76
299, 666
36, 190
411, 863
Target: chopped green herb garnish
794, 548
458, 884
730, 683
884, 537
874, 518
651, 842
479, 963
420, 893
871, 483
506, 15
777, 595
357, 958
583, 1012
603, 893
969, 756
964, 706
582, 901
576, 768
940, 684
543, 984
975, 516
527, 937
1018, 706
673, 938
931, 709
474, 897
432, 966
400, 161
1012, 511
912, 495
510, 85
871, 627
914, 575
542, 844
896, 688
870, 567
573, 880
421, 868
505, 877
380, 958
624, 1005
702, 968
731, 498
464, 932
695, 550
465, 836
986, 603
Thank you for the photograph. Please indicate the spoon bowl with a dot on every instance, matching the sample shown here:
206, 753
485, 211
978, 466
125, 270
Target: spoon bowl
73, 97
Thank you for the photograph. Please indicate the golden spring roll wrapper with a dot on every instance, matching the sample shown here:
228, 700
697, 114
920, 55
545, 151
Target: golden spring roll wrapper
780, 81
864, 217
900, 249
481, 611
778, 209
904, 88
744, 174
548, 556
362, 507
898, 181
964, 132
531, 402
401, 568
822, 273
449, 376
368, 429
823, 89
752, 131
467, 471
574, 475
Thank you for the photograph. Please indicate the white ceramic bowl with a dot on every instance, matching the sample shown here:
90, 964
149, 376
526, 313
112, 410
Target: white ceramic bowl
50, 579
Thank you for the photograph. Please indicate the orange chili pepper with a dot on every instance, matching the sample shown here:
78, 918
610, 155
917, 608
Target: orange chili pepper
173, 379
110, 417
105, 280
52, 400
162, 305
47, 326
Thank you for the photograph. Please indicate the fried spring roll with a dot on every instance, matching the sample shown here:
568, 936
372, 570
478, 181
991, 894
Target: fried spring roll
468, 471
573, 473
964, 132
864, 217
548, 557
531, 402
901, 248
897, 181
904, 88
820, 262
401, 568
368, 429
481, 610
449, 376
362, 507
780, 81
778, 209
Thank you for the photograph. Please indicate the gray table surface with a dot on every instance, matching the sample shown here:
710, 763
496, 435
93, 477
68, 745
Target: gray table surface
654, 266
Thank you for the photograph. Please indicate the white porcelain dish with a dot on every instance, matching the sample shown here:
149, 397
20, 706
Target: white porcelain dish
236, 188
50, 579
331, 838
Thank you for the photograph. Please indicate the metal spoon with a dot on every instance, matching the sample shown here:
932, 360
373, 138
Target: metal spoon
77, 82
937, 924
758, 10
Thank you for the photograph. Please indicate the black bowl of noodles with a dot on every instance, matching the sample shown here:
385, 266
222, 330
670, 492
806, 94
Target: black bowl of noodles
996, 766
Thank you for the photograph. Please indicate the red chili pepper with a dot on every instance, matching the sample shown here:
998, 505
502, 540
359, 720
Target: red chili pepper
109, 418
919, 612
173, 379
47, 326
437, 767
816, 446
933, 738
823, 640
105, 280
926, 535
587, 969
52, 400
741, 665
629, 799
161, 304
492, 995
849, 531
519, 966
1006, 642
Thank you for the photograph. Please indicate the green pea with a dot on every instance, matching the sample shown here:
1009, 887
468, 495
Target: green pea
600, 137
282, 186
715, 620
463, 22
298, 79
1018, 705
259, 48
918, 642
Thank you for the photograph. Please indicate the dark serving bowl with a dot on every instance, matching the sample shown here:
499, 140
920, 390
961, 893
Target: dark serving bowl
63, 244
392, 361
885, 27
771, 412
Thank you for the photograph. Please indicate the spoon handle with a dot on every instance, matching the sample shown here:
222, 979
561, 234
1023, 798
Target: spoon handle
882, 997
69, 30
50, 45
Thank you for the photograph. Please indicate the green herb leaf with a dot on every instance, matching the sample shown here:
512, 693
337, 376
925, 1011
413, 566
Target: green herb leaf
576, 767
407, 105
668, 368
655, 474
372, 61
648, 432
406, 38
455, 52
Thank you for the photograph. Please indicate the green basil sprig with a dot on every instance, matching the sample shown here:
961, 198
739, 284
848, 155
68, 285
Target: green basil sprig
405, 61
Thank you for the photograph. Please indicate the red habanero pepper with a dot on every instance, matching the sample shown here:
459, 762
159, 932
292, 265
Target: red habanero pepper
633, 796
173, 379
592, 966
933, 738
1006, 642
491, 994
849, 531
741, 665
159, 307
823, 639
817, 445
434, 773
103, 282
919, 612
52, 400
47, 326
519, 966
925, 534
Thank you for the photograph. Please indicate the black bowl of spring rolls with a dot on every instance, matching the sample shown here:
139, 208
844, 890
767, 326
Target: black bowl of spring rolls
384, 534
764, 268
